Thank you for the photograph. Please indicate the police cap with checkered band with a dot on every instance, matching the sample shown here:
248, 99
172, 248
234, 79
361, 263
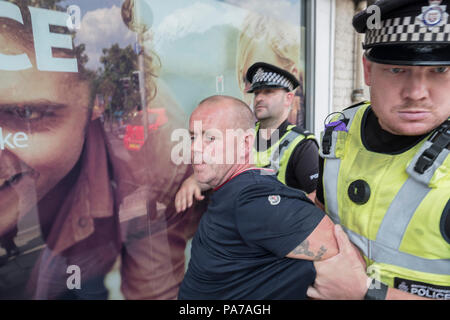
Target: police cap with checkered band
262, 75
410, 32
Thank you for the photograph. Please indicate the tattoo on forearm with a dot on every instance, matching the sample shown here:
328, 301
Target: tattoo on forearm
321, 252
303, 248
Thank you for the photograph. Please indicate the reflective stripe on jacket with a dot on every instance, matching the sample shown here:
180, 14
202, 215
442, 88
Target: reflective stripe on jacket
277, 156
399, 228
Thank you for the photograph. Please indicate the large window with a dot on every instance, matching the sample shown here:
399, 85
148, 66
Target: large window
90, 94
205, 47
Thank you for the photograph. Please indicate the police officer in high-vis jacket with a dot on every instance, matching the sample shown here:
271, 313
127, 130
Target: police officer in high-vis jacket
385, 164
289, 150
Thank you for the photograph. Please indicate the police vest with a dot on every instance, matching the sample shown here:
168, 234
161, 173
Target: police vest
394, 207
277, 156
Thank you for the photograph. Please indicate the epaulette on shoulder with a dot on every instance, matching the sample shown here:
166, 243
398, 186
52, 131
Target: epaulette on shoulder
302, 131
356, 105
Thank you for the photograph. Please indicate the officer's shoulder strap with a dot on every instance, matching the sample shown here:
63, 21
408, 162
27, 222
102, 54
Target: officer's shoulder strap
308, 135
357, 105
301, 130
346, 117
435, 144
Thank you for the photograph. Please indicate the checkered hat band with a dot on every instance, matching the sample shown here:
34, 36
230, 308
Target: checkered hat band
272, 78
407, 30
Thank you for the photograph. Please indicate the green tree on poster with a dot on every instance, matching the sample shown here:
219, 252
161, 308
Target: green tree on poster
115, 80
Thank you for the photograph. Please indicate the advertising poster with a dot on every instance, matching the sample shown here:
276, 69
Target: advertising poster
90, 95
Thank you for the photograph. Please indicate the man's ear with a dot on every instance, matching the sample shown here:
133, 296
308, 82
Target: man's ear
367, 70
289, 98
249, 141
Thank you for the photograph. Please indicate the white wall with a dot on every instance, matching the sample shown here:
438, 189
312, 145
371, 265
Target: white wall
324, 62
344, 59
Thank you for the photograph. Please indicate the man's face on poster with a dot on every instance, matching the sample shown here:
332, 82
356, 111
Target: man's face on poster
51, 109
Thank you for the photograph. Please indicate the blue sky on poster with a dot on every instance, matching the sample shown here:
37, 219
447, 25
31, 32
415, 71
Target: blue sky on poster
205, 27
101, 26
100, 29
283, 10
173, 21
196, 40
90, 5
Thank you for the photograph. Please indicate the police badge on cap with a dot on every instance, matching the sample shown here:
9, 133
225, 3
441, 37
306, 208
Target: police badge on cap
262, 75
412, 32
434, 15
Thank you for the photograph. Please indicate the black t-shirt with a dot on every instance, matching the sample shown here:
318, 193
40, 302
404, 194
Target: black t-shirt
238, 252
303, 168
375, 139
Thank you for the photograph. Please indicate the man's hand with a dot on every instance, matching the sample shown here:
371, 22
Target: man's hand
342, 276
185, 195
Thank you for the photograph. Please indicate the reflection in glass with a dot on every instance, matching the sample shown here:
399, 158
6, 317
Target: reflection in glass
86, 178
81, 212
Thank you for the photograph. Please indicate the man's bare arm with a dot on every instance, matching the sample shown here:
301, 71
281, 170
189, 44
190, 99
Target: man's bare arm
319, 245
344, 275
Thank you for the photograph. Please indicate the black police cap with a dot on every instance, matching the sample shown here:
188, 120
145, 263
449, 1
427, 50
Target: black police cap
411, 32
262, 75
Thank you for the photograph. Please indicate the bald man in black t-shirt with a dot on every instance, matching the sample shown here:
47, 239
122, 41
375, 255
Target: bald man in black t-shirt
258, 237
289, 150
